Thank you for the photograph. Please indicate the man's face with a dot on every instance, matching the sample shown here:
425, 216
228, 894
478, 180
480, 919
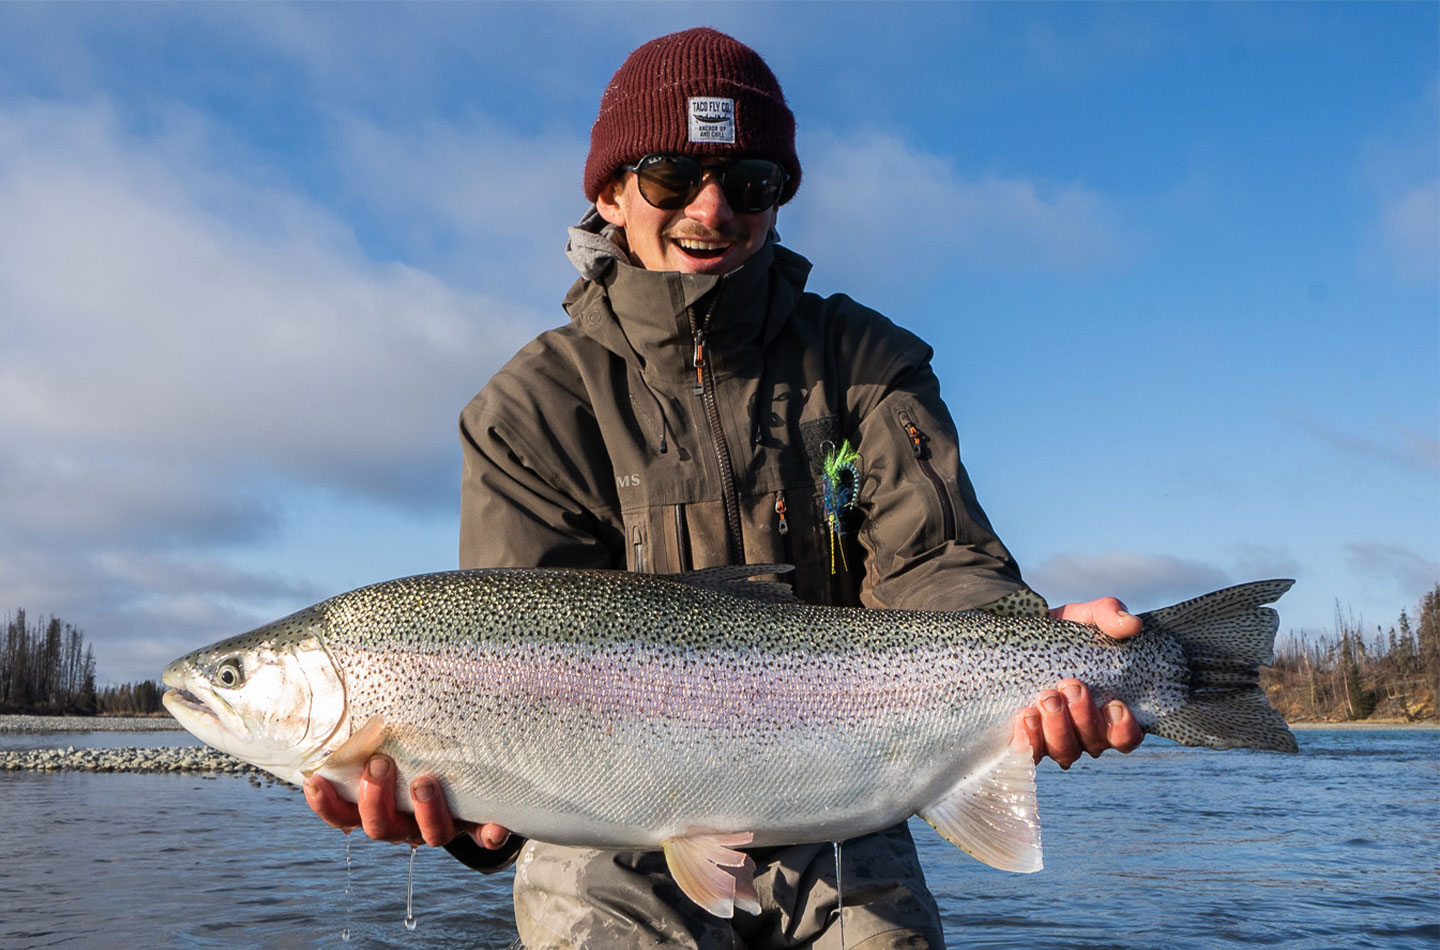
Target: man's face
706, 236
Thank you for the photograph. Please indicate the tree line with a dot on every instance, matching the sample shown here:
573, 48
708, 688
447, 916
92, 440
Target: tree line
46, 668
1389, 674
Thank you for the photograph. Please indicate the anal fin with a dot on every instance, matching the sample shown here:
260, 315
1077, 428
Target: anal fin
991, 814
712, 873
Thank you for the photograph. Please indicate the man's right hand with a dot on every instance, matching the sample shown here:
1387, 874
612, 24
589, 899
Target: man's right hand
431, 822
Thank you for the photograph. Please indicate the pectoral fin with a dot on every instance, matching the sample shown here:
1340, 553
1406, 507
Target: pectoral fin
991, 814
354, 753
712, 873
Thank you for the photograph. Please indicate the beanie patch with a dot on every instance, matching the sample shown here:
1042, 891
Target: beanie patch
712, 119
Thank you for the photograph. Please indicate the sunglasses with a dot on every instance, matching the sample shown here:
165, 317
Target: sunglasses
670, 182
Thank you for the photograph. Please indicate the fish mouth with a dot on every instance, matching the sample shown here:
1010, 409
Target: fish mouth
178, 698
199, 709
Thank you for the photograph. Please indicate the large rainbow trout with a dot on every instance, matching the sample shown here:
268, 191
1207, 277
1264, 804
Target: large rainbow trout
697, 713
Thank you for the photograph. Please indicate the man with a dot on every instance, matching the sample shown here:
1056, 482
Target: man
685, 418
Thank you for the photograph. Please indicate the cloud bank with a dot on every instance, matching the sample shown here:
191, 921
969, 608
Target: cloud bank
182, 345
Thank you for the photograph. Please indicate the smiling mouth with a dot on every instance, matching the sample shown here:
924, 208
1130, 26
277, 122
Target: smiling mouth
705, 250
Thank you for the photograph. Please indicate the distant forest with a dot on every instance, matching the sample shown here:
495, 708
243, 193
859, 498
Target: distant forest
1389, 674
46, 668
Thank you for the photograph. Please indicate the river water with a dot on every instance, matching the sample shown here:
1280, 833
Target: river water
1169, 847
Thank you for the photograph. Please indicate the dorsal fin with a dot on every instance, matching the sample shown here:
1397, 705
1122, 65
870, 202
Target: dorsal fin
734, 579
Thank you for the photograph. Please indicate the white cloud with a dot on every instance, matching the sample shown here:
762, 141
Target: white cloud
1410, 223
1407, 572
871, 202
498, 200
1142, 581
180, 345
1385, 441
141, 321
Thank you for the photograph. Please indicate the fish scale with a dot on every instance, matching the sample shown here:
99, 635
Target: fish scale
627, 711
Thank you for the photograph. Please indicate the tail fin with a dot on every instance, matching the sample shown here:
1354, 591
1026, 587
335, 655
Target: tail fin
1226, 635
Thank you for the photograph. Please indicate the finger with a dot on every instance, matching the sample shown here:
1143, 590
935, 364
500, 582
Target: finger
1029, 733
492, 835
1122, 731
1090, 726
1115, 621
432, 812
324, 801
1107, 613
378, 815
1060, 742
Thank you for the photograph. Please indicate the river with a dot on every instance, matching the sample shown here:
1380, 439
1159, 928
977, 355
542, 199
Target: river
1169, 847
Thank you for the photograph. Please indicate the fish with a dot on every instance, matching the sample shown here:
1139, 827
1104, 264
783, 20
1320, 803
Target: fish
705, 712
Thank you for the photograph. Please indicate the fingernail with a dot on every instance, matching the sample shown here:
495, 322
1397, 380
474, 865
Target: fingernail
1032, 720
1052, 703
1073, 692
423, 791
378, 767
1114, 711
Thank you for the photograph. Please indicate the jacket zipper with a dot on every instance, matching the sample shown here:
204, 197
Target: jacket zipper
705, 389
682, 540
920, 449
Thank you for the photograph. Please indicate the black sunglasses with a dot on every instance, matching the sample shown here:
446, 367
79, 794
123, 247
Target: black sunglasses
670, 182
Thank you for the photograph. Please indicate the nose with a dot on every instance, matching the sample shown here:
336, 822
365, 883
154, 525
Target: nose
709, 206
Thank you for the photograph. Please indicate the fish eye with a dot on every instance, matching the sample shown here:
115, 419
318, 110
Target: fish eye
229, 674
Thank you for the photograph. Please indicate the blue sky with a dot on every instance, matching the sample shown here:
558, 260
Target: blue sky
1178, 263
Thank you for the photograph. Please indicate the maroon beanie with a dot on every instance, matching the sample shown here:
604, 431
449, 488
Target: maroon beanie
697, 92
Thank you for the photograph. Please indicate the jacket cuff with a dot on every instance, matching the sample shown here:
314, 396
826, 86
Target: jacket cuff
485, 860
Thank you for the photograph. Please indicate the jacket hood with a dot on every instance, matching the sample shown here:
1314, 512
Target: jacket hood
648, 317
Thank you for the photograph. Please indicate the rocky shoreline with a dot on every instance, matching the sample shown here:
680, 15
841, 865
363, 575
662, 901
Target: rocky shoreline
192, 759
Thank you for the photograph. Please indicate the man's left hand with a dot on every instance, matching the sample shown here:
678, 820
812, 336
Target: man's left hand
1065, 721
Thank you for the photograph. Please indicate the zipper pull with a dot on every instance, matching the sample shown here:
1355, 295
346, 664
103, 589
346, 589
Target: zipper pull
698, 361
784, 527
917, 438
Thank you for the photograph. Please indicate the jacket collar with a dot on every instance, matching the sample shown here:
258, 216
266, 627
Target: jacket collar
645, 316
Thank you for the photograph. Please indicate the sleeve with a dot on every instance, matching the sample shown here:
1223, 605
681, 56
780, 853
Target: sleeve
512, 514
930, 545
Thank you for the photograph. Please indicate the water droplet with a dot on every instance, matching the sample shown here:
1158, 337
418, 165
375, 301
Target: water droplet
349, 898
410, 892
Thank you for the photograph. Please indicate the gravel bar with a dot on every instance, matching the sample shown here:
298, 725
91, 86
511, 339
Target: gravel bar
200, 759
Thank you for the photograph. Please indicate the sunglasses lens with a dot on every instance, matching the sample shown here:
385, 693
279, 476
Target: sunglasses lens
753, 184
669, 181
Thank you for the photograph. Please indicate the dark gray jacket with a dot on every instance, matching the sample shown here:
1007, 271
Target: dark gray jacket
603, 444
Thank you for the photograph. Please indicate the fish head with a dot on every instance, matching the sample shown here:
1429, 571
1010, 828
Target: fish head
274, 697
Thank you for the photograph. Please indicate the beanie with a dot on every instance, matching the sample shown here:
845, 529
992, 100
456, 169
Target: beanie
697, 92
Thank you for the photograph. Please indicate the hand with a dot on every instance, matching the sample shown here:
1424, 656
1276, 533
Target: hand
375, 812
1065, 721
